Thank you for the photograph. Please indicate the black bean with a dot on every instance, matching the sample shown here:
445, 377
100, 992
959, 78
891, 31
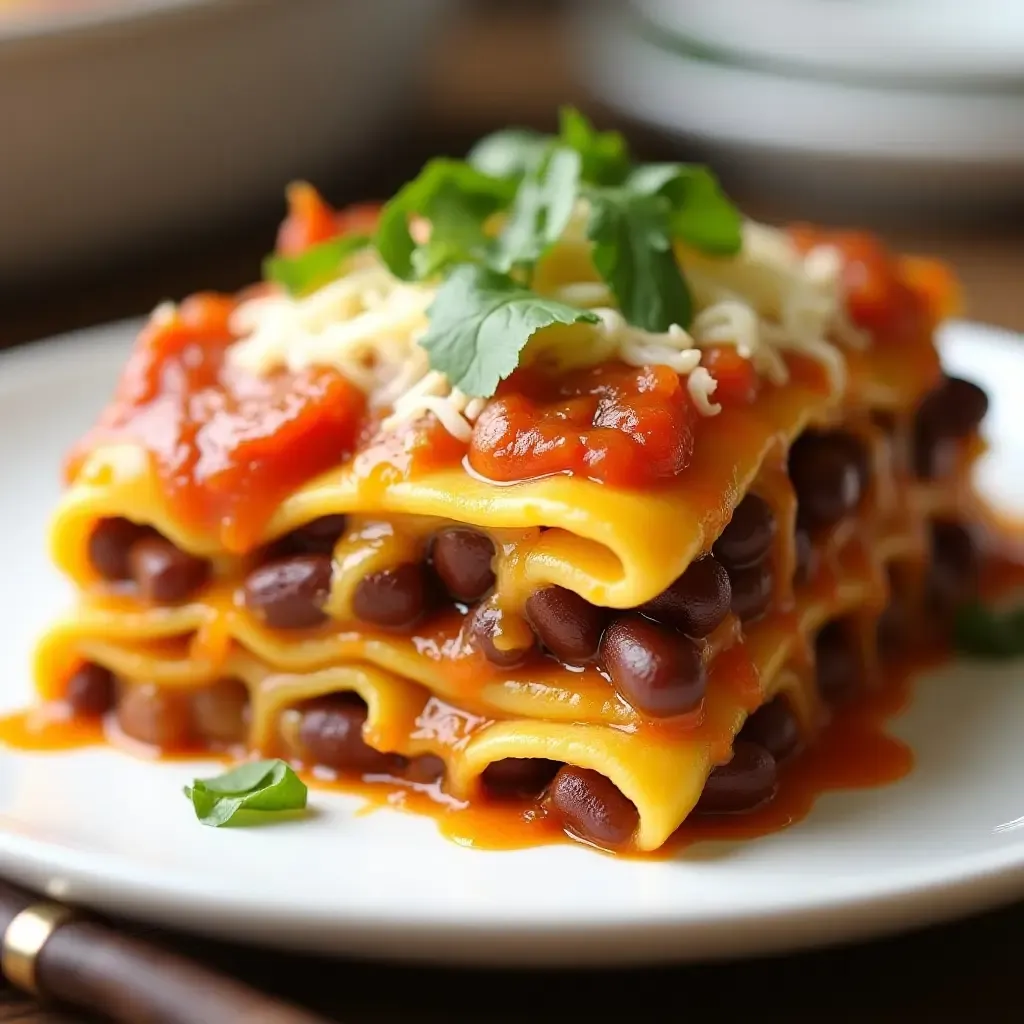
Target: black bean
318, 537
829, 474
518, 778
774, 727
91, 690
568, 625
955, 564
164, 573
221, 711
697, 602
486, 629
744, 783
803, 549
954, 409
951, 412
659, 672
158, 715
331, 734
591, 807
109, 545
752, 591
462, 560
291, 592
838, 663
392, 598
749, 534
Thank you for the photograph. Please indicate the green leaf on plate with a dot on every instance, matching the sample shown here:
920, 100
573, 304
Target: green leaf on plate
253, 786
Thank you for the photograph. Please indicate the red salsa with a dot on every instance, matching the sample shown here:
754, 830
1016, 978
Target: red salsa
228, 446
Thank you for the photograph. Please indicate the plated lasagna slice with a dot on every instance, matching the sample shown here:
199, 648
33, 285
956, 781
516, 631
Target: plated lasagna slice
555, 487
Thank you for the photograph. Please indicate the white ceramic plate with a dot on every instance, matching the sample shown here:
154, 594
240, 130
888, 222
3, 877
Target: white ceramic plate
902, 41
104, 829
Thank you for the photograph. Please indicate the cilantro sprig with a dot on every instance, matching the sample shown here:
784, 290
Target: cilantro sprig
254, 786
495, 216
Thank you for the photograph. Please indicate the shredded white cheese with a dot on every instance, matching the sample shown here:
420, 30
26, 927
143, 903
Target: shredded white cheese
767, 300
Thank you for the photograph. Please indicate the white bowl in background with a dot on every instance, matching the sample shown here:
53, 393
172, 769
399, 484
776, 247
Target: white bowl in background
833, 146
125, 125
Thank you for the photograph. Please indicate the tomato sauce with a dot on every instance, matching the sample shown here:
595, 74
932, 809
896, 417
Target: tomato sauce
228, 446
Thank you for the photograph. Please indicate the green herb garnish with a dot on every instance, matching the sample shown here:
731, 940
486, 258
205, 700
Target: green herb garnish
481, 320
316, 266
457, 199
483, 266
985, 633
255, 786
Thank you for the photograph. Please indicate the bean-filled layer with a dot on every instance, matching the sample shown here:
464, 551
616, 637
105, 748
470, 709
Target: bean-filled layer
748, 780
658, 671
950, 413
589, 806
392, 598
318, 537
176, 719
91, 690
290, 592
568, 625
505, 641
462, 559
774, 727
748, 537
122, 551
331, 735
829, 472
838, 662
697, 602
518, 778
752, 591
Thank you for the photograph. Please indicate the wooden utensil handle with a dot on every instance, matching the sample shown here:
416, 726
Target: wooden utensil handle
131, 981
127, 979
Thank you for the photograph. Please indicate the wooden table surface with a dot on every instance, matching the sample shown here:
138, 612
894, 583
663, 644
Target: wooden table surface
943, 973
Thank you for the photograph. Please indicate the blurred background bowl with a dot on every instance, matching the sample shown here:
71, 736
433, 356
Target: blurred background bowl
870, 111
128, 123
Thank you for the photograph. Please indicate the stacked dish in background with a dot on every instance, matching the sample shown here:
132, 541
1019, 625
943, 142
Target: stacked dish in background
848, 107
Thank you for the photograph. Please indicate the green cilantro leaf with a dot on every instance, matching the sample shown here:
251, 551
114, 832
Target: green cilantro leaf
508, 154
542, 208
457, 200
313, 268
702, 215
480, 322
985, 633
604, 155
254, 786
633, 253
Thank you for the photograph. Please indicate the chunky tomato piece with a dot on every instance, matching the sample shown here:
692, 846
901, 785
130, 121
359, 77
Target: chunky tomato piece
228, 446
738, 382
311, 220
617, 424
879, 298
